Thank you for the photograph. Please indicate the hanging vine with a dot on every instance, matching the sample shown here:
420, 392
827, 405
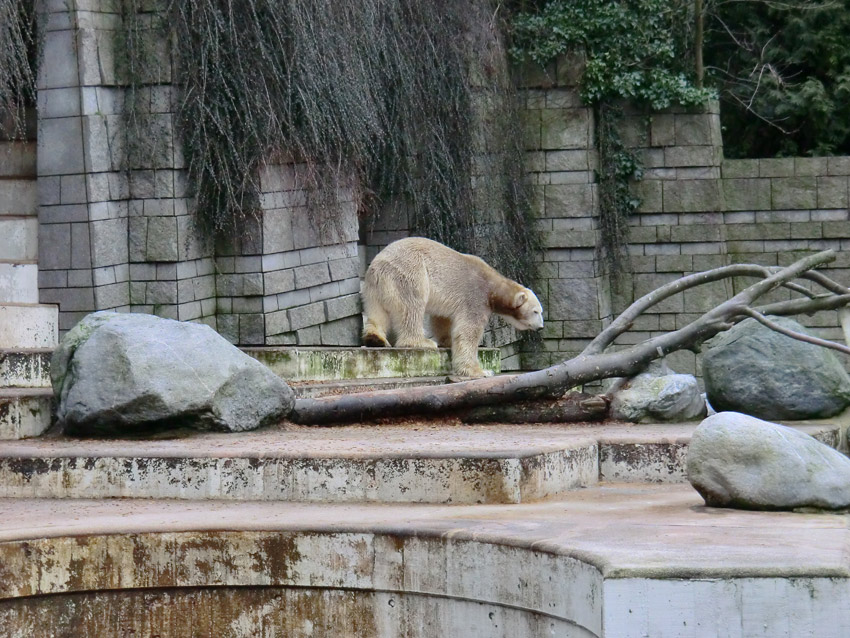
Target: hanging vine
412, 101
19, 51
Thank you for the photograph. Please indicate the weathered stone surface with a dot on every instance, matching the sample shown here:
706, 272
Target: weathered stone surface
655, 396
124, 373
755, 370
735, 460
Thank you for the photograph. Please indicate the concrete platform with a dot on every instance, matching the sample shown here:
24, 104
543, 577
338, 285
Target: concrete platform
416, 462
25, 368
613, 561
324, 364
18, 238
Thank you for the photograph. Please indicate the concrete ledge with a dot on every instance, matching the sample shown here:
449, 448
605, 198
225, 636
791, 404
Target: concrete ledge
323, 364
28, 326
18, 282
410, 463
616, 561
25, 412
25, 368
18, 237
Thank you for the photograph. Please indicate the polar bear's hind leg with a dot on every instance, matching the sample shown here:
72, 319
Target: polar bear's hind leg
376, 324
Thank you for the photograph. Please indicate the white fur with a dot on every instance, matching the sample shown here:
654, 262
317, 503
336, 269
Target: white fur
416, 277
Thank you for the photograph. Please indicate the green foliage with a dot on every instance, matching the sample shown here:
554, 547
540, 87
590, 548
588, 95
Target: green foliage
638, 49
635, 50
18, 63
783, 74
408, 101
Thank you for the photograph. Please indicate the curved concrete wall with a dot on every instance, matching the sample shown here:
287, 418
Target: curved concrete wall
248, 584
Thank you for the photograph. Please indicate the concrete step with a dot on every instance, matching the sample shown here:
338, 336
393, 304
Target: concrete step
17, 159
326, 364
315, 389
25, 412
25, 368
416, 462
30, 368
18, 196
28, 326
614, 561
18, 282
18, 237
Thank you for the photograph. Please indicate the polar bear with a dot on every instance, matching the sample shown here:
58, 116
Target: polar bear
415, 277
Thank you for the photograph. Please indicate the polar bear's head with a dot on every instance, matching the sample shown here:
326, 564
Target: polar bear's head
527, 313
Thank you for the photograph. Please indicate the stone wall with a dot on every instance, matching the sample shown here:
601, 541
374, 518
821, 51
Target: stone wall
698, 211
562, 160
116, 228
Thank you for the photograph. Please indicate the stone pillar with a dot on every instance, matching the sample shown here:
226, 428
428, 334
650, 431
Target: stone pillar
561, 161
82, 221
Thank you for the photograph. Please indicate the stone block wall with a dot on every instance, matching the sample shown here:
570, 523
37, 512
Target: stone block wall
698, 211
292, 281
83, 212
116, 229
561, 162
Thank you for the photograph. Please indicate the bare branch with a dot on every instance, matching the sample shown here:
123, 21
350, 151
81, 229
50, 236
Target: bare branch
804, 306
623, 322
795, 335
826, 282
844, 319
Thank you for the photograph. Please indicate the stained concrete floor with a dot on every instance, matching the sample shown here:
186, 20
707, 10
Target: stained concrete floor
625, 530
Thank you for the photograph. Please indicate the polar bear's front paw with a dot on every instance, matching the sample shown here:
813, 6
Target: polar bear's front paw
473, 372
427, 344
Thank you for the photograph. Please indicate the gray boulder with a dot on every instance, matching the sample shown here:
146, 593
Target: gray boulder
735, 460
757, 371
659, 397
119, 373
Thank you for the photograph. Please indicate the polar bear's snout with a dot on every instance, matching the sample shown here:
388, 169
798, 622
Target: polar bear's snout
528, 313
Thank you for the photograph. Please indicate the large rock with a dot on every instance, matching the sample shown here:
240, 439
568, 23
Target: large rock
757, 371
118, 373
735, 460
654, 396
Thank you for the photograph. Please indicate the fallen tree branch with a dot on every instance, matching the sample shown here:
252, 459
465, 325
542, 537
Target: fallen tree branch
591, 365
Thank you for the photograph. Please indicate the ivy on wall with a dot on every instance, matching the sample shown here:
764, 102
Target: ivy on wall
637, 51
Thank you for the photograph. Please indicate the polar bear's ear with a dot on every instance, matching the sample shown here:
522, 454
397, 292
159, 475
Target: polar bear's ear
520, 299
